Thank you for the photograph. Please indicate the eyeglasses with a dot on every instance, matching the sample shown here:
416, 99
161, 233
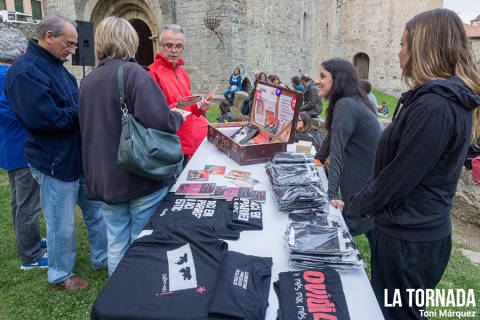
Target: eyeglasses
170, 46
71, 46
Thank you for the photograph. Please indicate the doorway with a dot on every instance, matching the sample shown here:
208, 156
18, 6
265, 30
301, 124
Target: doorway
144, 55
361, 61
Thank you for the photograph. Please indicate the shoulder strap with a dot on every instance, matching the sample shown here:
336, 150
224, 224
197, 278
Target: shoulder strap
311, 136
121, 87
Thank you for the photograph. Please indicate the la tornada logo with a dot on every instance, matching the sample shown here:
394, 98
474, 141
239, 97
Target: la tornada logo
445, 300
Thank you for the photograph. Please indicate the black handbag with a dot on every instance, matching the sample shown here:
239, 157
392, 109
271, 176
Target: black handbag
146, 152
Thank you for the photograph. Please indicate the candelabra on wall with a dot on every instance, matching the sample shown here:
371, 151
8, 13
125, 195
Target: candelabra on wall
212, 22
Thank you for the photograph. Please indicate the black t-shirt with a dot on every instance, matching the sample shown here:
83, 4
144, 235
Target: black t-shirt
247, 215
242, 288
216, 214
312, 294
170, 274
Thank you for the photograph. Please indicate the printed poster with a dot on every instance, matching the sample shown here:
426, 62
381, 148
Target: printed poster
266, 98
285, 109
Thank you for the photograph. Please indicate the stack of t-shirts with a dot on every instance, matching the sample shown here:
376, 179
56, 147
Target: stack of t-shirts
298, 189
293, 174
311, 295
292, 157
328, 220
185, 272
310, 198
313, 246
216, 214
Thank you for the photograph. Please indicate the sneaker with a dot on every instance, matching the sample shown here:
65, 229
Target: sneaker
43, 243
41, 263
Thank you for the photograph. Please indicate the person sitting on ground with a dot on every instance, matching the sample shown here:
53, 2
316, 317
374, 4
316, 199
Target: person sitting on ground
367, 87
24, 189
296, 83
226, 113
307, 132
312, 103
235, 82
384, 109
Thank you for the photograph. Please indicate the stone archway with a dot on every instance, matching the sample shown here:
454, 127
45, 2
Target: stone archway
361, 61
144, 55
136, 12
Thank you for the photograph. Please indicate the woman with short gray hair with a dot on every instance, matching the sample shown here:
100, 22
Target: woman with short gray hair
24, 189
13, 45
128, 200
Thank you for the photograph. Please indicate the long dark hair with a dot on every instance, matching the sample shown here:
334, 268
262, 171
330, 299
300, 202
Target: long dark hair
345, 84
307, 121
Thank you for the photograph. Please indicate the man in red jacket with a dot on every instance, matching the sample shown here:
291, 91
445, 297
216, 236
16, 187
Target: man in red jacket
174, 81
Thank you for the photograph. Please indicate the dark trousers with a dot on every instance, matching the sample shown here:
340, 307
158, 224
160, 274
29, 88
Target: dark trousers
370, 235
25, 210
400, 264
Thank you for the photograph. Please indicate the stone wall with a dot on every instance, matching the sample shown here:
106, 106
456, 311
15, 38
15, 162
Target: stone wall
466, 204
291, 37
155, 13
376, 29
476, 49
255, 36
283, 37
28, 29
207, 60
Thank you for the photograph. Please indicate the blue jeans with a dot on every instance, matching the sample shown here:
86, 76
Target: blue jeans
125, 221
58, 199
229, 94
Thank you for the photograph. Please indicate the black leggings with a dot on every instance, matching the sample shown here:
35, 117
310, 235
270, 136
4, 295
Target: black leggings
400, 264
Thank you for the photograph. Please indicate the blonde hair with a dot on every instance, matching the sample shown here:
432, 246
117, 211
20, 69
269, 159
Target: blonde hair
439, 48
115, 38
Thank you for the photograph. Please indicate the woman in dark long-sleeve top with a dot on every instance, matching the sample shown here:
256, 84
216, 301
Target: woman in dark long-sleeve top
353, 133
419, 159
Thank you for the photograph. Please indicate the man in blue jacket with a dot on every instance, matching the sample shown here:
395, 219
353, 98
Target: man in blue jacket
44, 96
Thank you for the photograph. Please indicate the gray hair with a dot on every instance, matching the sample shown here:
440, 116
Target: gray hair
13, 45
175, 28
54, 23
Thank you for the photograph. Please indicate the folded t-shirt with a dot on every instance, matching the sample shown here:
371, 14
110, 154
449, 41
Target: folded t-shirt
242, 287
216, 214
246, 215
311, 294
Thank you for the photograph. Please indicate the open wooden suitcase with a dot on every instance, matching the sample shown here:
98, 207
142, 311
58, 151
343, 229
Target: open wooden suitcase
274, 112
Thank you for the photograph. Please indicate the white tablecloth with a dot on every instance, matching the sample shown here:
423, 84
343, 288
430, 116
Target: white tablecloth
270, 242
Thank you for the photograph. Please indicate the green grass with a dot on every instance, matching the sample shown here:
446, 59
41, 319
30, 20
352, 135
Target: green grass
26, 294
213, 113
390, 100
